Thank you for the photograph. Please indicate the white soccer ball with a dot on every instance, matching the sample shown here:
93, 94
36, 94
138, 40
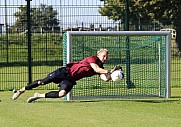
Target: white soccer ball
117, 75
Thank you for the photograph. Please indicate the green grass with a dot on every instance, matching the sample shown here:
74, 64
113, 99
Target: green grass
148, 112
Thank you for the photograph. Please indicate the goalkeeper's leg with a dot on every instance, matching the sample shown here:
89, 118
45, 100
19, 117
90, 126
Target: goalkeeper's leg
65, 87
31, 86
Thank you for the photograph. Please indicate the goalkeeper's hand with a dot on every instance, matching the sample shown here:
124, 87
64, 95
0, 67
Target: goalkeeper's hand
117, 67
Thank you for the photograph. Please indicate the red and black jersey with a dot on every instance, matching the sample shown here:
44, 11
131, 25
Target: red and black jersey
79, 70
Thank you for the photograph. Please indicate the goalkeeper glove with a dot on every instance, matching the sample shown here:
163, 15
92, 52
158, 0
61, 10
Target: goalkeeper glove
117, 67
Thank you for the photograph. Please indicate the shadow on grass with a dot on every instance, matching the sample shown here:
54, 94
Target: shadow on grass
159, 100
134, 100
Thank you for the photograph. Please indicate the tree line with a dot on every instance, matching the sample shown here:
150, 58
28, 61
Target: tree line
43, 17
164, 12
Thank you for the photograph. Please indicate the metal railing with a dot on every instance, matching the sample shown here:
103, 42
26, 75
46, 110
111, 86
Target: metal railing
31, 37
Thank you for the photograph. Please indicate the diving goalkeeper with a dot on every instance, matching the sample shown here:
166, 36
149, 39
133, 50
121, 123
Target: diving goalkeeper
67, 76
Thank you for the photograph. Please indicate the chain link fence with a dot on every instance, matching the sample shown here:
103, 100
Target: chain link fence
49, 19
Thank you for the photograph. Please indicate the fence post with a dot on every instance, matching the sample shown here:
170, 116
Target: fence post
7, 38
128, 79
29, 42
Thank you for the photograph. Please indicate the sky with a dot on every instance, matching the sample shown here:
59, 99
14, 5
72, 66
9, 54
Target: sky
71, 13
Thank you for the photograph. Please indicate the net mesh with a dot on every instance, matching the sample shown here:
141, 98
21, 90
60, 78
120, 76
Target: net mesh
147, 65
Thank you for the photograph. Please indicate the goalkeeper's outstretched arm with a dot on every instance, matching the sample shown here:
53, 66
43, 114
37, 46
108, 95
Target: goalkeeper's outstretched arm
105, 77
99, 70
104, 74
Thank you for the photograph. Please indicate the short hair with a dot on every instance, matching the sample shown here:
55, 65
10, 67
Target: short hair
101, 50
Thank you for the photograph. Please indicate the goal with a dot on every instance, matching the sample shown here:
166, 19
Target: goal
143, 55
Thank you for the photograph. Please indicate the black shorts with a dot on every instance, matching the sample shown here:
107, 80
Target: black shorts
60, 76
66, 85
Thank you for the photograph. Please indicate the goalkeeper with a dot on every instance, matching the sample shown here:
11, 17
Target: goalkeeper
67, 76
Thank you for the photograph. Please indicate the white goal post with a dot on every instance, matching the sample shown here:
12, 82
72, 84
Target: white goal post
166, 34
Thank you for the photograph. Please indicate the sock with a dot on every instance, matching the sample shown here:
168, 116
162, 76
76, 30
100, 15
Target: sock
22, 89
32, 85
52, 94
41, 95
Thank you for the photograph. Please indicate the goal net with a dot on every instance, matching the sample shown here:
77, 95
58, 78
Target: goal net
143, 55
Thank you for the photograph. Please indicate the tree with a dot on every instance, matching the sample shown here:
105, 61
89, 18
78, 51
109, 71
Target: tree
41, 17
45, 17
166, 12
21, 19
115, 10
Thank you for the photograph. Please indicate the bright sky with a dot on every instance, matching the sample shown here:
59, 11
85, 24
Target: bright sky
70, 12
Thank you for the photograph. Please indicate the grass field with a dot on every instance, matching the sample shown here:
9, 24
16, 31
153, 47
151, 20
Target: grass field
148, 112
